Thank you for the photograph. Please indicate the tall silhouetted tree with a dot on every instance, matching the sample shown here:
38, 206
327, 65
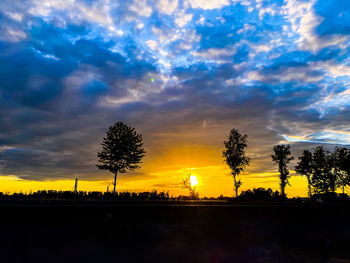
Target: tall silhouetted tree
323, 177
122, 149
234, 155
282, 157
304, 167
341, 158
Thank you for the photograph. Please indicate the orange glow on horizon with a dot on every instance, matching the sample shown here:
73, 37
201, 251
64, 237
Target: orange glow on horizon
165, 172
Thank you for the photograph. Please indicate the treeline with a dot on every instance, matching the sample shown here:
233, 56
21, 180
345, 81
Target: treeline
255, 195
83, 195
325, 171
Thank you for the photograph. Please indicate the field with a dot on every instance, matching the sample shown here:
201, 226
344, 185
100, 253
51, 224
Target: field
173, 232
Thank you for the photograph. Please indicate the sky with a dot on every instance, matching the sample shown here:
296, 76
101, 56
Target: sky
183, 73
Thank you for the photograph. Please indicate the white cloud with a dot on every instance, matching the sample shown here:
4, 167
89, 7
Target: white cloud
285, 75
139, 25
152, 44
184, 46
240, 66
213, 53
201, 20
78, 78
323, 136
13, 35
97, 13
15, 16
5, 148
45, 7
111, 101
167, 6
48, 56
246, 27
262, 48
268, 10
304, 22
183, 18
141, 91
141, 8
334, 70
333, 100
208, 4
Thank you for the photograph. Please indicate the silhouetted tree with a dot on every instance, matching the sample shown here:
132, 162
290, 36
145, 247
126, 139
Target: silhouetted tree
122, 149
234, 155
341, 158
323, 177
304, 167
282, 157
194, 195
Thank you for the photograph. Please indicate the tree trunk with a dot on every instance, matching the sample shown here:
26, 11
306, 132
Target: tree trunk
309, 186
115, 182
236, 188
283, 186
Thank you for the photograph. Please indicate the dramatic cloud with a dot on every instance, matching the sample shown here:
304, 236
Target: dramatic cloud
183, 72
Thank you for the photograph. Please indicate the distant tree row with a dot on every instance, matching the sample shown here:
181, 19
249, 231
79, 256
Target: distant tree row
87, 196
325, 171
122, 150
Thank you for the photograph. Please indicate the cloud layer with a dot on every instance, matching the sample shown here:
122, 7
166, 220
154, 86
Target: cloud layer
183, 72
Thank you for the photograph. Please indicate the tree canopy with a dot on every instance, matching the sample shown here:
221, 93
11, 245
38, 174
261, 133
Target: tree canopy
234, 155
281, 157
304, 167
122, 150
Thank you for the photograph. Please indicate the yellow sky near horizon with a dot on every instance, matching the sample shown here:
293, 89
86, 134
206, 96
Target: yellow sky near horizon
208, 185
213, 181
164, 172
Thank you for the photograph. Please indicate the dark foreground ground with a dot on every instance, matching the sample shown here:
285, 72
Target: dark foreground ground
167, 232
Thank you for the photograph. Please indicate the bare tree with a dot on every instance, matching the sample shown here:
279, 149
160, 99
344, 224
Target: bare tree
187, 184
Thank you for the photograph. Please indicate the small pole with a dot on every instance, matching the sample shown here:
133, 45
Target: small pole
76, 186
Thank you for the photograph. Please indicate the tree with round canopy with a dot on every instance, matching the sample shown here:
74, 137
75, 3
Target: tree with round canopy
122, 150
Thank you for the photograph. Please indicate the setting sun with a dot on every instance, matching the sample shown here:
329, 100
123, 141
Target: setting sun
193, 180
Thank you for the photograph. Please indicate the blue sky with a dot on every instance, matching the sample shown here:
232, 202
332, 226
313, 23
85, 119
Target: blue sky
276, 70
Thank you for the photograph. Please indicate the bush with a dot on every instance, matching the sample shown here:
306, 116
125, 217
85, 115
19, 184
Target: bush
260, 194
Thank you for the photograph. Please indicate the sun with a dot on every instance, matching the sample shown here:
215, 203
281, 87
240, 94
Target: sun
193, 180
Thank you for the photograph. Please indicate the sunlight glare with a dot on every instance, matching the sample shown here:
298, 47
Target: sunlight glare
193, 180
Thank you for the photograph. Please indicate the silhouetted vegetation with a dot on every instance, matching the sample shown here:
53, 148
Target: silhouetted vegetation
234, 155
260, 194
325, 171
255, 195
304, 167
282, 157
323, 178
122, 149
83, 195
341, 158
